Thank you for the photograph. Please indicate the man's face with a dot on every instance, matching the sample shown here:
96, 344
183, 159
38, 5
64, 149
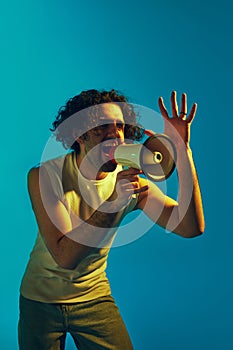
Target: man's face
108, 134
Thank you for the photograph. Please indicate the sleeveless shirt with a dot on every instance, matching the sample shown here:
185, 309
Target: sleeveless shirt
44, 280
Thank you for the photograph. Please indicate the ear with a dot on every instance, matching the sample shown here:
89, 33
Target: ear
79, 139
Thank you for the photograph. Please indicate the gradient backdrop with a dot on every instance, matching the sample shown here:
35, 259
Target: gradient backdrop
173, 293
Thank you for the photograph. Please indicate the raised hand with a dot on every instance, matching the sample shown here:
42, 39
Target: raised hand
177, 127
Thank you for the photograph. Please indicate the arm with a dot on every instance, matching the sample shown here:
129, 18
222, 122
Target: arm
184, 217
64, 241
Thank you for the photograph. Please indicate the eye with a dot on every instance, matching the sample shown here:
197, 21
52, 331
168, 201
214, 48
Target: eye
101, 127
104, 126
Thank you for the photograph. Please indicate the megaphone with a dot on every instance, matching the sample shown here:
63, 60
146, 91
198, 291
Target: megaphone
156, 156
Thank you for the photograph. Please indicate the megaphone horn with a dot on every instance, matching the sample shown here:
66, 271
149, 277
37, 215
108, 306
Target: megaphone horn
156, 156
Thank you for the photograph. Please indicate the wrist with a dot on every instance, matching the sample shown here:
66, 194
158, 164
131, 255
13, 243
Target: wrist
182, 147
183, 154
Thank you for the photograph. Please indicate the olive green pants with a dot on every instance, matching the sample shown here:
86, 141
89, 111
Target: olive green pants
94, 325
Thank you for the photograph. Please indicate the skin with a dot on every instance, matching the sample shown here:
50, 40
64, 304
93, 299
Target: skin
185, 217
163, 210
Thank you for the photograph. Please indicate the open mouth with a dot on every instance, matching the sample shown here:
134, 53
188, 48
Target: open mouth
108, 148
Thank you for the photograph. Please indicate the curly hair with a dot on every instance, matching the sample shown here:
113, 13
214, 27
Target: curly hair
78, 108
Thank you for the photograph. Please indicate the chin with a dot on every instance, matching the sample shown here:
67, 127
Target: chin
108, 167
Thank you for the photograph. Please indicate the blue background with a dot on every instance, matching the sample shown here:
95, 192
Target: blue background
173, 293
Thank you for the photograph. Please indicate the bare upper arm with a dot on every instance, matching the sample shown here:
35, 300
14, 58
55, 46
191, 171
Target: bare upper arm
52, 217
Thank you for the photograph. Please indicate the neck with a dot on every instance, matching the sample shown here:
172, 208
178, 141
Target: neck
87, 168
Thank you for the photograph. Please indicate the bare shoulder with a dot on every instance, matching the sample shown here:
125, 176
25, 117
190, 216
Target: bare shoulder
33, 175
33, 171
153, 189
39, 184
153, 197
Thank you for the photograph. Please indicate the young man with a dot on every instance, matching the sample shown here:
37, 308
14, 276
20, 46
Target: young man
79, 201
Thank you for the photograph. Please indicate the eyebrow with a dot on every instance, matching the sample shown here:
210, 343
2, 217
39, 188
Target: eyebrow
109, 121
